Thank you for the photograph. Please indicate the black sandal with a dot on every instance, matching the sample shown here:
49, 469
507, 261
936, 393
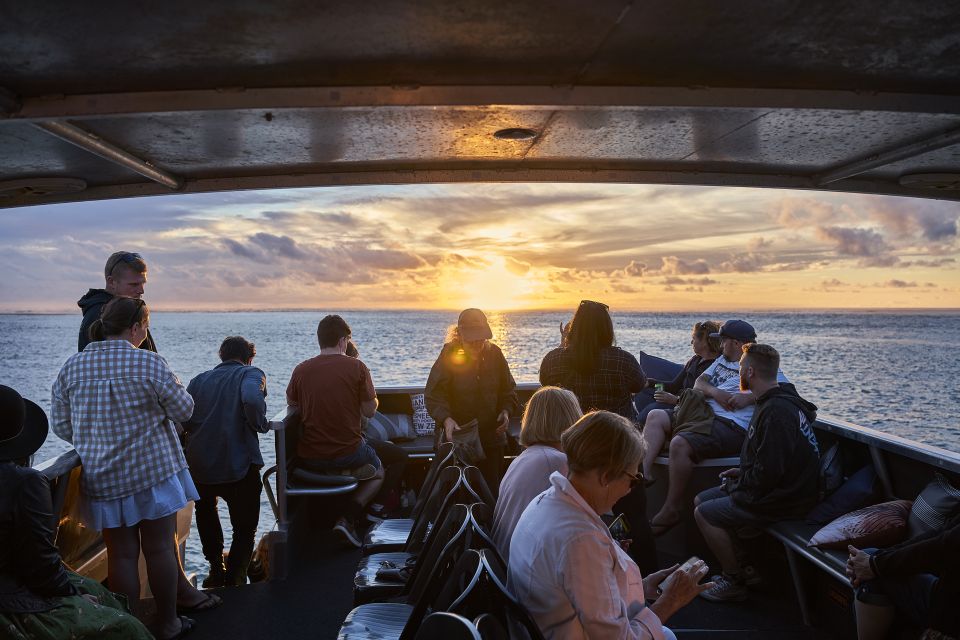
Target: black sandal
186, 626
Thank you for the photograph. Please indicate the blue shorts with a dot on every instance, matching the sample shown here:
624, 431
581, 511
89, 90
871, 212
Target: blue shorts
719, 509
725, 439
363, 455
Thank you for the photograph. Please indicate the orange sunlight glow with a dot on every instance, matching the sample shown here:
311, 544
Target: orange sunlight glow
494, 288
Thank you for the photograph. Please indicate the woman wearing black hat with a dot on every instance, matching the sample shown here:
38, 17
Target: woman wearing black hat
39, 598
470, 386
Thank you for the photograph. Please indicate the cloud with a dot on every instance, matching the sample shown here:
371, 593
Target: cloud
934, 220
517, 267
759, 243
866, 244
898, 284
672, 265
797, 213
700, 282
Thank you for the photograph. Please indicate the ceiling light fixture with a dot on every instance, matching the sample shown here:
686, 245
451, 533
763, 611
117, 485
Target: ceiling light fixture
515, 133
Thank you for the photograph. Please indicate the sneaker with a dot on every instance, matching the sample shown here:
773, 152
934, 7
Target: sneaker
346, 530
725, 589
217, 575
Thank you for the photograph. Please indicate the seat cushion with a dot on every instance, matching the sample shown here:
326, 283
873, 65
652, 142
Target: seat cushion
321, 479
396, 427
377, 620
366, 586
389, 535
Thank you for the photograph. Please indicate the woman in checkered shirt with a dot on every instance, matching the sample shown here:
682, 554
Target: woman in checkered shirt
116, 403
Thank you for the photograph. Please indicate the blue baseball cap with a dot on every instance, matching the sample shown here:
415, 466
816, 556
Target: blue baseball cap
738, 330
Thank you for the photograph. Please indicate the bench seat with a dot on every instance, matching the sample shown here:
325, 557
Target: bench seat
794, 535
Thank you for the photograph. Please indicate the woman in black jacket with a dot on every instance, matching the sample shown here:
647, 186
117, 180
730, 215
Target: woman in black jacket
39, 598
471, 381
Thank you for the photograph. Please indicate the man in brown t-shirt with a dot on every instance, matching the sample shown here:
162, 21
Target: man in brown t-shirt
333, 391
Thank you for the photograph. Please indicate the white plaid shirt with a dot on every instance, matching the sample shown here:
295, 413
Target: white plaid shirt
113, 402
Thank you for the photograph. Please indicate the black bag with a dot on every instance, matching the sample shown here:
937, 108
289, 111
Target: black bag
466, 443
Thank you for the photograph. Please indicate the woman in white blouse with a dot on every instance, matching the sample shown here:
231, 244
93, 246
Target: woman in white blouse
564, 565
549, 413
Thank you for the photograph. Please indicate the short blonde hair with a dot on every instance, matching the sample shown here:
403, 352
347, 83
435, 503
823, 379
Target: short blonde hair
549, 413
602, 441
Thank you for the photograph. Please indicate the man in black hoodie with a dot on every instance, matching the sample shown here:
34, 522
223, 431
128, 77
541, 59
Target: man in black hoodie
125, 274
778, 473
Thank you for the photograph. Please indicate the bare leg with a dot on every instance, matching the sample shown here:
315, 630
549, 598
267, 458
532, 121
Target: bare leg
163, 566
720, 543
873, 621
681, 468
368, 490
656, 430
123, 558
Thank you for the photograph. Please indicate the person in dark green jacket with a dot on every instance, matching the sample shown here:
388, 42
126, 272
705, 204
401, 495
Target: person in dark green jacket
471, 380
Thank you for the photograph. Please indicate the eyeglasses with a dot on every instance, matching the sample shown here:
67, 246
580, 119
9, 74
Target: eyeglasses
635, 480
124, 256
584, 303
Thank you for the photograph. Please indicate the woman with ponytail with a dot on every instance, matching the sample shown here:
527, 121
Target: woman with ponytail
115, 403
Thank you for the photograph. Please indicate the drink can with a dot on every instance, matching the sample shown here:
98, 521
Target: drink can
658, 386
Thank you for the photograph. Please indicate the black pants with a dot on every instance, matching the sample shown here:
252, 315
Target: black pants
491, 466
394, 461
643, 549
243, 502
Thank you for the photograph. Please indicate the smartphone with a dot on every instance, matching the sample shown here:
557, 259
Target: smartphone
619, 528
686, 566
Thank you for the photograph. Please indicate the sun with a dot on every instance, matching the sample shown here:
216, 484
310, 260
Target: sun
493, 288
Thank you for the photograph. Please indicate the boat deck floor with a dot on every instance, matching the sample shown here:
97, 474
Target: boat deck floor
317, 595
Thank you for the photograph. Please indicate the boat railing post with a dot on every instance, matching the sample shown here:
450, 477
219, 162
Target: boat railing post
880, 465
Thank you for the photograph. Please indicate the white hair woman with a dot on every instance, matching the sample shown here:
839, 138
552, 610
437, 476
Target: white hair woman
550, 412
566, 567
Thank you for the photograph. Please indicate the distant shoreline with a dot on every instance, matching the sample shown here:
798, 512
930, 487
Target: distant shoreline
946, 311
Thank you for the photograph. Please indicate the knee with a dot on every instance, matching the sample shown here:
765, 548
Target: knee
679, 447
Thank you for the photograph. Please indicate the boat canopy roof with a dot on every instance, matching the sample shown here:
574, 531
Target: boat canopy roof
119, 99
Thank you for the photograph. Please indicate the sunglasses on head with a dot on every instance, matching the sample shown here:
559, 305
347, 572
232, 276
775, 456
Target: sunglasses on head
584, 303
128, 258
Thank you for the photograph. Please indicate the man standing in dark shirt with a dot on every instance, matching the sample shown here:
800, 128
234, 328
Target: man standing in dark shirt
224, 456
125, 275
778, 473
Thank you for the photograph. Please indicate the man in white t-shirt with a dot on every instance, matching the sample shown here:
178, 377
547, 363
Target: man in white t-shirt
733, 408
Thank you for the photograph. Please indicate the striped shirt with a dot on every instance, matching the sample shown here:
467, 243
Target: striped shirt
114, 403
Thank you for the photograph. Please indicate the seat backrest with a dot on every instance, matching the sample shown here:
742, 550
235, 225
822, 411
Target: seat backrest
443, 458
477, 486
439, 569
449, 484
518, 620
489, 627
486, 593
461, 582
481, 520
291, 437
445, 541
449, 626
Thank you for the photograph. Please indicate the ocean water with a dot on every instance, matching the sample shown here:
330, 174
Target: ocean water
895, 372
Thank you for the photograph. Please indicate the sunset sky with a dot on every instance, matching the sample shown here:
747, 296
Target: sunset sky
496, 246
